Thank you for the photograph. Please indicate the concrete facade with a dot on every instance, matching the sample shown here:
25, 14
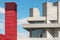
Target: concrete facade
47, 26
34, 12
50, 11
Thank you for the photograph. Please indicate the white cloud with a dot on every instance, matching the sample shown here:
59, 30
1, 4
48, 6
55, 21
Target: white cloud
2, 26
22, 21
22, 35
2, 10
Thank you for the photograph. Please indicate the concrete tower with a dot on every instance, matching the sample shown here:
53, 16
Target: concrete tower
47, 26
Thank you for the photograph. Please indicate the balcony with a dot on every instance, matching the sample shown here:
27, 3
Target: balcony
42, 25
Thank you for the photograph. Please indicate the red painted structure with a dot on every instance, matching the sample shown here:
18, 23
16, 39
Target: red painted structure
2, 37
10, 22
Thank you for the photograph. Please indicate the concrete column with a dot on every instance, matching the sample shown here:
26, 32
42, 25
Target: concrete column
58, 10
49, 33
58, 33
55, 33
30, 33
45, 6
44, 33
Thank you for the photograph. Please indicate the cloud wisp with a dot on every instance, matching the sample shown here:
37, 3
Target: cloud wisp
22, 21
23, 35
2, 10
1, 26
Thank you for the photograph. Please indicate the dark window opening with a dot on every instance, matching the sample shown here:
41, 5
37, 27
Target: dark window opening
34, 22
38, 34
53, 21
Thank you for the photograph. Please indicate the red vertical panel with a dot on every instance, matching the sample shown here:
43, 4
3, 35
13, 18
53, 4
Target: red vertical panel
11, 20
2, 37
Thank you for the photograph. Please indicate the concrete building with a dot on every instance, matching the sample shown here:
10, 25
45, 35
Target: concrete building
47, 26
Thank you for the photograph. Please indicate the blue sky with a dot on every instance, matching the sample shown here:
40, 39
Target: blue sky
23, 9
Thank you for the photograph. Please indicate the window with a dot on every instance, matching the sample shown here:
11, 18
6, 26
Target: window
53, 21
38, 33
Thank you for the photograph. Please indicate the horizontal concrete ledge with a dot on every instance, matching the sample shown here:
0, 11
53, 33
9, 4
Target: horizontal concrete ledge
32, 39
41, 25
39, 39
36, 19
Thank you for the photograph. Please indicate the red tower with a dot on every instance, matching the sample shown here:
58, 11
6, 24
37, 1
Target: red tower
11, 20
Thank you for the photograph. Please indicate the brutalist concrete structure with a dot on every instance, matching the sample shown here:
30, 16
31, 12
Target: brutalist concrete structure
47, 26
